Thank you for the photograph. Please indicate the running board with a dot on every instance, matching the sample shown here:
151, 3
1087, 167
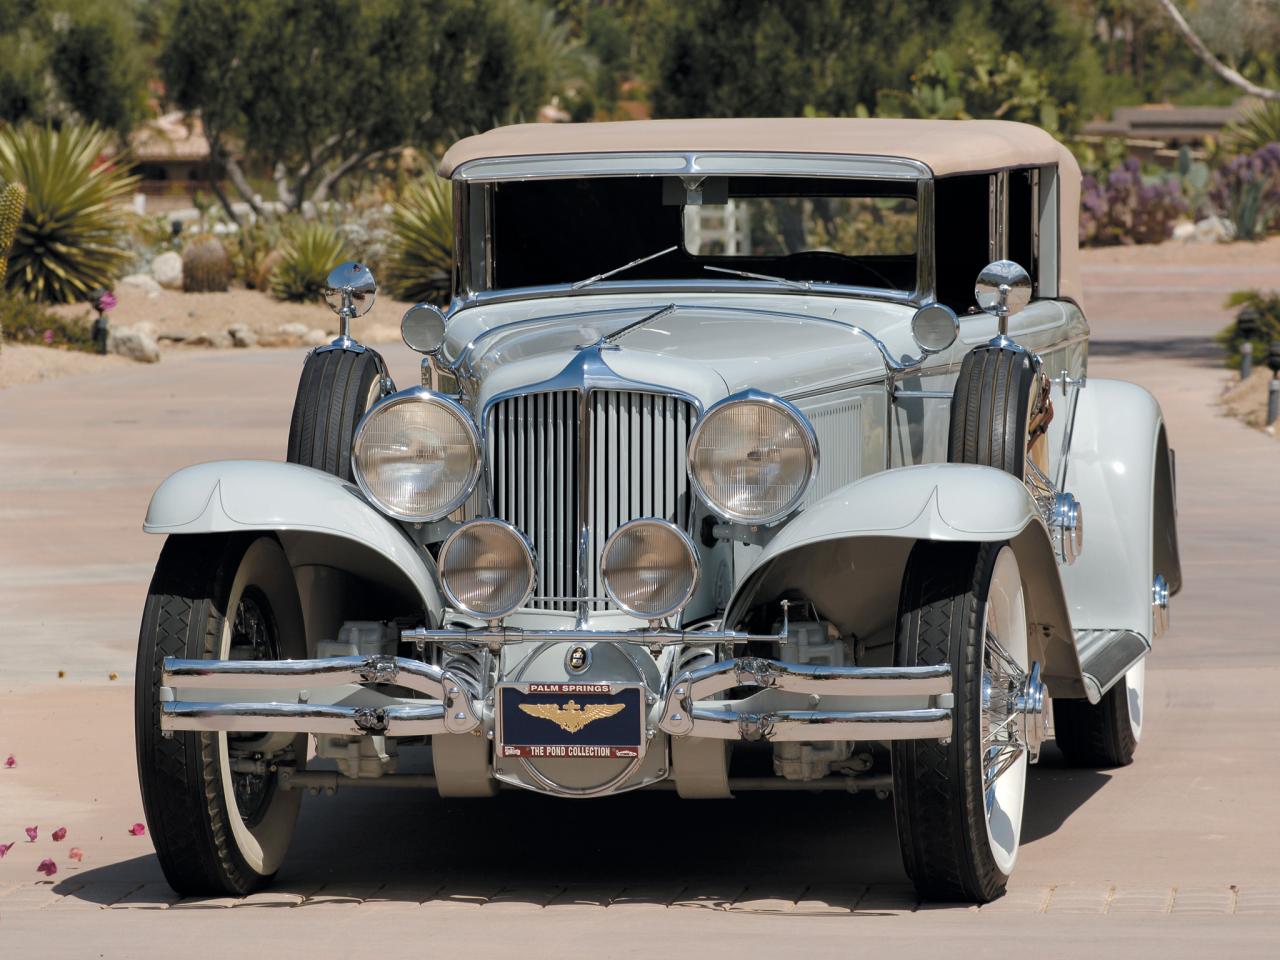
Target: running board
1106, 656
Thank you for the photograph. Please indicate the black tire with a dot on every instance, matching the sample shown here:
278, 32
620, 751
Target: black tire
989, 408
1096, 734
336, 389
204, 844
939, 787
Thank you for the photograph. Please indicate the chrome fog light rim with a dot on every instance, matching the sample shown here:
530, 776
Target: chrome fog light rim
528, 568
666, 528
777, 404
452, 408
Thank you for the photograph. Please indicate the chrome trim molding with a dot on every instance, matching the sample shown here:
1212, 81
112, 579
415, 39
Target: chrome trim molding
674, 163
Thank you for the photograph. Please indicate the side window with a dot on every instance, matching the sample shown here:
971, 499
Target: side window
960, 211
1023, 226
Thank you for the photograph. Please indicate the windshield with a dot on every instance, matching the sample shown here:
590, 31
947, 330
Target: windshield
815, 230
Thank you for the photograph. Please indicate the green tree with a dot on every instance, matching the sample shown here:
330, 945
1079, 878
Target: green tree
68, 61
315, 90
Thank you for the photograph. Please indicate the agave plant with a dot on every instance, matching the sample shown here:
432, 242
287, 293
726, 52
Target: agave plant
1258, 126
71, 240
421, 254
310, 252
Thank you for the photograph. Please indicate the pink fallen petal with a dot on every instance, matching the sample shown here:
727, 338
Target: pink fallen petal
4, 848
31, 834
59, 834
76, 854
137, 829
9, 762
47, 867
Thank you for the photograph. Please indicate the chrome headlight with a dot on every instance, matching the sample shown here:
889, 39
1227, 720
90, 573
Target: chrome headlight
649, 568
752, 458
416, 455
487, 569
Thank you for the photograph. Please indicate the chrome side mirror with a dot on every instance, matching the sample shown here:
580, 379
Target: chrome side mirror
349, 291
1003, 288
934, 328
422, 328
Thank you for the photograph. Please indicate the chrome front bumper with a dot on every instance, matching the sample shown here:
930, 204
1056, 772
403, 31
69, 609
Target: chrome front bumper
689, 714
273, 696
281, 696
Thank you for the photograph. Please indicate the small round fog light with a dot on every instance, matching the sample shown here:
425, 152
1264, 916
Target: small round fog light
487, 569
650, 568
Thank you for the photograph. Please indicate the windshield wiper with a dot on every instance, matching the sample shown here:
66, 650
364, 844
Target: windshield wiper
797, 284
626, 266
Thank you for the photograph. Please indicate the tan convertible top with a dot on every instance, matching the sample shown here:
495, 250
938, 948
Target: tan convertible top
946, 147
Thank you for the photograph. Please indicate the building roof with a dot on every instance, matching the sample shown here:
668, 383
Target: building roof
172, 137
944, 146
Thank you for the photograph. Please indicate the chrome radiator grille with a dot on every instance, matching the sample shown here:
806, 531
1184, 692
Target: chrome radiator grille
635, 468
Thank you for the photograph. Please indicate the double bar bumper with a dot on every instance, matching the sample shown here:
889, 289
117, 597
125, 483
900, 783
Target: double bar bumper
688, 713
283, 686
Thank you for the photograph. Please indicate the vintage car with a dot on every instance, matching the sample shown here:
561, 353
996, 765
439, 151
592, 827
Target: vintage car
722, 475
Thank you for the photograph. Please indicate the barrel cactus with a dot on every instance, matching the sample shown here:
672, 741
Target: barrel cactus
205, 266
13, 198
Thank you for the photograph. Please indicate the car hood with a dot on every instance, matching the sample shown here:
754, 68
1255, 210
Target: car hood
706, 347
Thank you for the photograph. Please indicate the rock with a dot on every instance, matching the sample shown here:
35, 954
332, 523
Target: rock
242, 336
167, 269
1215, 230
219, 341
143, 282
316, 338
145, 328
296, 330
1184, 230
129, 342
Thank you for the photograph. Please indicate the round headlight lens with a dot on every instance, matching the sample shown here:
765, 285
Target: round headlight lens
417, 455
649, 568
752, 458
487, 568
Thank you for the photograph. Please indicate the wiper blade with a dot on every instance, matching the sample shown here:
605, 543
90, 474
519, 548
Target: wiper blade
797, 284
626, 266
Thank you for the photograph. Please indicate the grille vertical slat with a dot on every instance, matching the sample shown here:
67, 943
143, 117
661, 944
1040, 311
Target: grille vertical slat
636, 468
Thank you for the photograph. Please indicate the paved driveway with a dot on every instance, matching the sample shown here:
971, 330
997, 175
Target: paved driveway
1175, 855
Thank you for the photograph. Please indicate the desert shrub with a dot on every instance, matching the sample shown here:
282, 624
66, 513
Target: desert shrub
310, 251
1267, 308
205, 266
1246, 190
253, 252
1123, 207
25, 321
421, 254
367, 229
71, 238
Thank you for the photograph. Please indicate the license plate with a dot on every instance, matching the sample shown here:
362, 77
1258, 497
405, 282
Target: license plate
571, 720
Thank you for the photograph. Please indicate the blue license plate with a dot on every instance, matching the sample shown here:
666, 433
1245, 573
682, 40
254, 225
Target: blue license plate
570, 720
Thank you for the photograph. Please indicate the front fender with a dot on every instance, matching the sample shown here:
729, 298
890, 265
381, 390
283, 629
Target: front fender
323, 521
848, 551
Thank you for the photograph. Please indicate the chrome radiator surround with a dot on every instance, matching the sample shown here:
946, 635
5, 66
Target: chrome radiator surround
570, 459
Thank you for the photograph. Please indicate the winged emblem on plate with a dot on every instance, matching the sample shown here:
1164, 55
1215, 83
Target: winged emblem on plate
571, 717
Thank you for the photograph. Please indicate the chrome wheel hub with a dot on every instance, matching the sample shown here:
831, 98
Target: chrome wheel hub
1014, 721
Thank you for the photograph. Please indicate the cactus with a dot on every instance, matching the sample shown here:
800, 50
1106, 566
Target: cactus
205, 266
13, 200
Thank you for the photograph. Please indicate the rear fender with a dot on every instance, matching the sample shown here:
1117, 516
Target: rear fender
847, 553
329, 531
1121, 471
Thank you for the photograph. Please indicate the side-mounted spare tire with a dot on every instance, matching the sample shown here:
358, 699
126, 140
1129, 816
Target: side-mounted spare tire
336, 389
990, 408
